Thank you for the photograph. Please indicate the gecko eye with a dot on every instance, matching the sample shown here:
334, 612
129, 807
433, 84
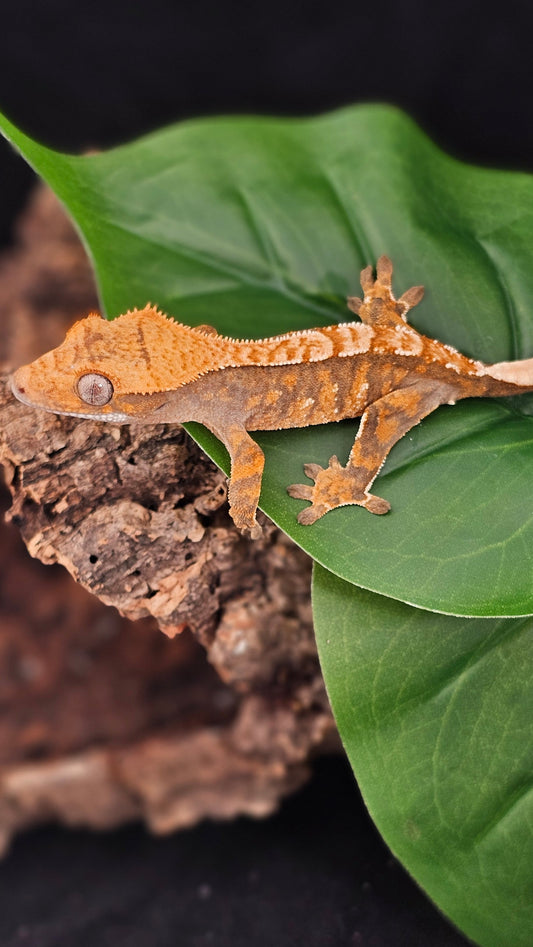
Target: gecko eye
95, 389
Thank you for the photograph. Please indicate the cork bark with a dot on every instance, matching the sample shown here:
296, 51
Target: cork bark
168, 671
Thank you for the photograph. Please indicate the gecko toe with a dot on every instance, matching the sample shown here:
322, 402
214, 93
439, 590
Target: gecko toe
376, 505
311, 514
354, 304
300, 491
411, 298
384, 271
367, 279
255, 531
312, 470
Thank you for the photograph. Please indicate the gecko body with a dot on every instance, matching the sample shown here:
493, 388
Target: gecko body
143, 367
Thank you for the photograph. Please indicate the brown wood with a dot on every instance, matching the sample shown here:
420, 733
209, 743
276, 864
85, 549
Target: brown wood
104, 718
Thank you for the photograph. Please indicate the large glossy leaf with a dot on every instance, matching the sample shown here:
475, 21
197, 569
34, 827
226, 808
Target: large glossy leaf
435, 713
260, 225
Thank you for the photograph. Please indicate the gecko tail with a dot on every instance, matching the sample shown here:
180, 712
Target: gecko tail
514, 373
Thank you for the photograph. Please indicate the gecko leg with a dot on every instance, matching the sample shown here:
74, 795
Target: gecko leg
382, 424
247, 462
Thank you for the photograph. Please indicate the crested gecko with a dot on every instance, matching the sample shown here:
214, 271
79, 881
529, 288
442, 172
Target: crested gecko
144, 367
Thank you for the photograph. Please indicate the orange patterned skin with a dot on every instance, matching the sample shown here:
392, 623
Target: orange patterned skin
144, 367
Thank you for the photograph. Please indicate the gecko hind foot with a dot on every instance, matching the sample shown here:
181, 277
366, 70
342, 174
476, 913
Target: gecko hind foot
379, 304
334, 486
246, 524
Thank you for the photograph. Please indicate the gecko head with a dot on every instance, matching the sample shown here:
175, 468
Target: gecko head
117, 370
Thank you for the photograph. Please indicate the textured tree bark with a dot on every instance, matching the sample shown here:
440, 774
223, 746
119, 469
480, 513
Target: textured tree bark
103, 718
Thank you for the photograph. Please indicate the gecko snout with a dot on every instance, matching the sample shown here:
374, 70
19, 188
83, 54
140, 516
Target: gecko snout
17, 382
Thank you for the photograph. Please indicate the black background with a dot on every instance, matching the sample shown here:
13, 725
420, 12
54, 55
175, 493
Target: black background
79, 75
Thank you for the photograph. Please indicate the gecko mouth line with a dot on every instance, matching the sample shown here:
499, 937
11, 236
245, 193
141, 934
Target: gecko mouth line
115, 418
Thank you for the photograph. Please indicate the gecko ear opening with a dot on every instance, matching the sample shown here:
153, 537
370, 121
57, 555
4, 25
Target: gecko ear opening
95, 389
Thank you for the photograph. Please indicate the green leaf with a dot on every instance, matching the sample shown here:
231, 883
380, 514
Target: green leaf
435, 713
259, 226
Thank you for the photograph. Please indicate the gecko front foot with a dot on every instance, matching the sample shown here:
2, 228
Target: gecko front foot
249, 528
334, 486
252, 532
